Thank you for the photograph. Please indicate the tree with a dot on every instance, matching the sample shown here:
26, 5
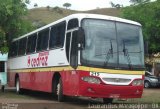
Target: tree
116, 5
149, 16
48, 7
35, 5
57, 9
134, 2
12, 23
67, 5
112, 4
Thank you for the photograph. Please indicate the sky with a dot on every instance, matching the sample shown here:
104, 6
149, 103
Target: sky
81, 5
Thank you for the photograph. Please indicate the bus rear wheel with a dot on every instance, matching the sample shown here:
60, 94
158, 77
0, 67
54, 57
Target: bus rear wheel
60, 95
107, 100
18, 90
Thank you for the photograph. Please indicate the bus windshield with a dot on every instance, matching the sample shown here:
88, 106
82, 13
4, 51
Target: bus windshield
112, 44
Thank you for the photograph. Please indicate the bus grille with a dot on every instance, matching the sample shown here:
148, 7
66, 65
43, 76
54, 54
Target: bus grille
116, 80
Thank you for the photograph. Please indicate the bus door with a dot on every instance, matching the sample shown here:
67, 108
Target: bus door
72, 75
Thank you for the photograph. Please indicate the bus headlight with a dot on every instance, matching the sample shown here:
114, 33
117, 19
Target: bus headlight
137, 83
90, 79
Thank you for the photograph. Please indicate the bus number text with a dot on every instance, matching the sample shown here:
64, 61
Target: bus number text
94, 74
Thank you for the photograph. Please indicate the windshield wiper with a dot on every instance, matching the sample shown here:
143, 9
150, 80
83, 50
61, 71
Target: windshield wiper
125, 51
109, 54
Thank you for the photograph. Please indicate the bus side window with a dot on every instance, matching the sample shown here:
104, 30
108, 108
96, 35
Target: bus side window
68, 37
13, 49
74, 51
57, 35
31, 43
42, 41
22, 46
73, 23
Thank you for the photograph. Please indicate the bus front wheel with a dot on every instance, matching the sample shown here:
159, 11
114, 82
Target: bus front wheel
60, 90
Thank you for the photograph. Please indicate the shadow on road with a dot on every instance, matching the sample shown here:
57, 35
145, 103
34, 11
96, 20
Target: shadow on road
48, 101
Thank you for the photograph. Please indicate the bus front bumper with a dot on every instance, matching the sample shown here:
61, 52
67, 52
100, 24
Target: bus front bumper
110, 91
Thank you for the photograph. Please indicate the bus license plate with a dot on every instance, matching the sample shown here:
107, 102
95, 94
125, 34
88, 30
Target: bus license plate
114, 95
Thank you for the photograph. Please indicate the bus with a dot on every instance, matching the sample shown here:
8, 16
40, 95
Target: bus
3, 70
83, 55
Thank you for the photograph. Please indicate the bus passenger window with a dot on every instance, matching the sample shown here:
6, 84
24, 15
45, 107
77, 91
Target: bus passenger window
13, 49
74, 51
31, 44
22, 46
68, 37
73, 23
42, 42
57, 35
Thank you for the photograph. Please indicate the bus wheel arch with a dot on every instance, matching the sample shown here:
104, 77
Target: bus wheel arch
17, 84
16, 77
57, 86
55, 80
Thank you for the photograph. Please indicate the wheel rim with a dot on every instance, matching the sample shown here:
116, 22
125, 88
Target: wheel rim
17, 86
58, 88
146, 85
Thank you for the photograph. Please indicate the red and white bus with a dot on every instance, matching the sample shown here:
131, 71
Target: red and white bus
80, 55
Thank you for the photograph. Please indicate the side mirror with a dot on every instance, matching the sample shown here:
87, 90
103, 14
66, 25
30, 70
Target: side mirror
81, 37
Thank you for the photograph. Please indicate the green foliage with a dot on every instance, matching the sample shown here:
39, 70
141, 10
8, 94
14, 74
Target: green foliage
118, 6
35, 5
67, 5
148, 14
139, 1
48, 7
12, 23
58, 10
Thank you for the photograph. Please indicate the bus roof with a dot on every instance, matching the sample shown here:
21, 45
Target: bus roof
81, 16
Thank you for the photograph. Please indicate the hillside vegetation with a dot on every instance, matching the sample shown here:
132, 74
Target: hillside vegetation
43, 16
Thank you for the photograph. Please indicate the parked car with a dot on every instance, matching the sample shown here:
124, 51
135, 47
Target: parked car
151, 80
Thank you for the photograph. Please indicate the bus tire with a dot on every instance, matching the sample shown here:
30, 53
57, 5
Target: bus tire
107, 100
3, 88
18, 90
60, 95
